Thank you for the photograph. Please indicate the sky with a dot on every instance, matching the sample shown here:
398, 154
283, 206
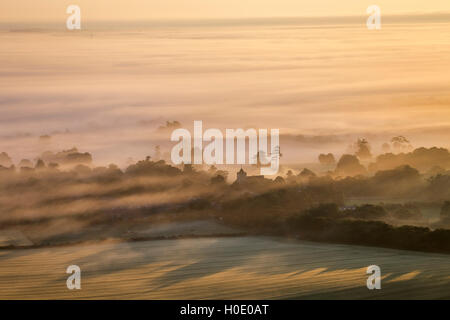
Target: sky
51, 10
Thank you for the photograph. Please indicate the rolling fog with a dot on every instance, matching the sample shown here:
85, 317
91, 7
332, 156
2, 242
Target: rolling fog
107, 90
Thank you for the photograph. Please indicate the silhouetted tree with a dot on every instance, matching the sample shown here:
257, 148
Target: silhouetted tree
327, 159
40, 164
5, 160
401, 144
349, 165
363, 149
445, 211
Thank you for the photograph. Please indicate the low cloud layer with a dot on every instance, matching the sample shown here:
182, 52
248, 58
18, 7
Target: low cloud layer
321, 83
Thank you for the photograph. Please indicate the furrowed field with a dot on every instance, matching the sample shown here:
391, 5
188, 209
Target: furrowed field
221, 268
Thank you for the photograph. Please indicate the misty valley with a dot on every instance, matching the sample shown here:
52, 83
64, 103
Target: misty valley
396, 200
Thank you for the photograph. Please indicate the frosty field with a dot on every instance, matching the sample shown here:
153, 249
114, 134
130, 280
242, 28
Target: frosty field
221, 268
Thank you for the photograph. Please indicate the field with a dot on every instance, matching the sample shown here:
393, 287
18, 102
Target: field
221, 268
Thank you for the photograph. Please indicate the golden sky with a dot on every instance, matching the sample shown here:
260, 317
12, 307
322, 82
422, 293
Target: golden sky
51, 10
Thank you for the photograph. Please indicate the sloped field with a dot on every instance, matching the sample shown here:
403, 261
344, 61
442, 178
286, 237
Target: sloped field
221, 268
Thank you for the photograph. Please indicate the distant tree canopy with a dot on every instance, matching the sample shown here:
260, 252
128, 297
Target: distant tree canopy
40, 164
397, 144
403, 181
170, 125
45, 138
271, 207
326, 210
445, 211
397, 175
218, 180
70, 157
422, 159
149, 168
349, 165
318, 227
25, 163
401, 144
327, 159
5, 160
404, 211
306, 173
439, 187
367, 212
363, 149
305, 176
332, 211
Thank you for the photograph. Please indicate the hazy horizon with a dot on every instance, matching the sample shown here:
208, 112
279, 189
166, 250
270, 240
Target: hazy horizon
46, 10
325, 20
